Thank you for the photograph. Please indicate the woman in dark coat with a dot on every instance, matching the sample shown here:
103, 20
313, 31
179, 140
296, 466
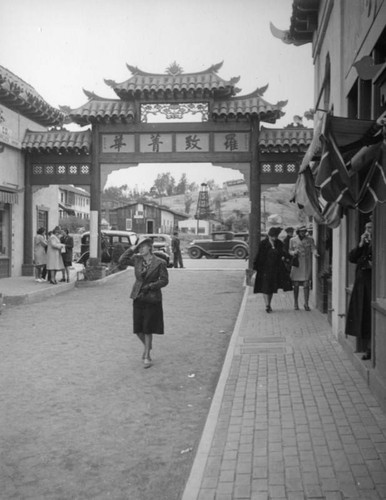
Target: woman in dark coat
271, 273
359, 311
68, 241
151, 275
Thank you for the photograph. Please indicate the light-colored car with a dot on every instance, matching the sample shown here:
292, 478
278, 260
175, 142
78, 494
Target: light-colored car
162, 243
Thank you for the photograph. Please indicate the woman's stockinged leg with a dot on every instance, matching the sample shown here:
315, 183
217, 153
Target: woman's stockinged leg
148, 344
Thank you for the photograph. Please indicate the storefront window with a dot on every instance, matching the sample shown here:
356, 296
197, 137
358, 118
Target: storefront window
4, 230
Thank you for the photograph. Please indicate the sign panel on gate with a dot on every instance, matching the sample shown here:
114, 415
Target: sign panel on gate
118, 143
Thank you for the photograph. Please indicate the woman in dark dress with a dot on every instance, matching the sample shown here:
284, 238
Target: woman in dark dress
359, 311
271, 273
151, 275
68, 241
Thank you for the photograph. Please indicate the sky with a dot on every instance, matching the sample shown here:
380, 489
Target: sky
62, 46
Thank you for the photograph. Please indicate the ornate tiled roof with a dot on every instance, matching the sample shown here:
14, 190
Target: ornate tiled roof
249, 105
98, 109
304, 22
279, 140
57, 141
22, 98
175, 83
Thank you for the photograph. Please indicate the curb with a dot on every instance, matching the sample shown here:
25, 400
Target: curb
39, 295
102, 281
193, 484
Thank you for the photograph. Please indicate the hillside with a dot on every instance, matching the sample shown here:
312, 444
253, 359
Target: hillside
274, 200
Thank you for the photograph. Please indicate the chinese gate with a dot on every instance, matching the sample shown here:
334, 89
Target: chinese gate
121, 136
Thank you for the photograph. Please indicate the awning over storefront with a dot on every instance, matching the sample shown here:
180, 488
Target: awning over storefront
341, 149
8, 196
69, 211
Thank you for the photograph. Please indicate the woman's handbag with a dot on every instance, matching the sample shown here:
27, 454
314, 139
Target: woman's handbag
295, 261
63, 249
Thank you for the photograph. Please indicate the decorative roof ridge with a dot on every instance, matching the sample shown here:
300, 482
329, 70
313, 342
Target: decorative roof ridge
22, 97
134, 70
259, 92
279, 104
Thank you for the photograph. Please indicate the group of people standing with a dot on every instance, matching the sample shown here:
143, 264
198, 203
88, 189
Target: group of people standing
284, 264
52, 253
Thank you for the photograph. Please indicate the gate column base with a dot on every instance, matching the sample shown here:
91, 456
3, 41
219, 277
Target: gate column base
27, 270
94, 272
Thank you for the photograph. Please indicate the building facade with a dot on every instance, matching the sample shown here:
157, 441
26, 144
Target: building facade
21, 108
349, 55
145, 218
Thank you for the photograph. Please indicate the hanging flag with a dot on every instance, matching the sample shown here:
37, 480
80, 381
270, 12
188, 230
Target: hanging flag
306, 197
373, 191
333, 178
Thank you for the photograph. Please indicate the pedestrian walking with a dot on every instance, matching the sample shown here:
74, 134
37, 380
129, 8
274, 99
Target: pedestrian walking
359, 311
151, 275
271, 273
54, 256
40, 256
302, 247
68, 242
176, 249
287, 259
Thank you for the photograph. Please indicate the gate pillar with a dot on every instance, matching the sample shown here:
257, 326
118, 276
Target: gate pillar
95, 200
255, 193
28, 267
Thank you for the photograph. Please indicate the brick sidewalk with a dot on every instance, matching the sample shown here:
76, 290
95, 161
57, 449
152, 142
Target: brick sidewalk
291, 418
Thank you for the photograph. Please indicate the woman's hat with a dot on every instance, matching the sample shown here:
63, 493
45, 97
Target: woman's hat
142, 241
274, 231
301, 228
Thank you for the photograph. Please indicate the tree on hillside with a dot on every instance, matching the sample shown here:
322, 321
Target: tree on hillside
164, 184
188, 202
182, 185
237, 222
116, 193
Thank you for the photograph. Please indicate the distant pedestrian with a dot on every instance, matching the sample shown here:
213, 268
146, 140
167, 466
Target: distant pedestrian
151, 275
68, 242
271, 273
301, 248
54, 256
40, 256
287, 259
359, 311
176, 249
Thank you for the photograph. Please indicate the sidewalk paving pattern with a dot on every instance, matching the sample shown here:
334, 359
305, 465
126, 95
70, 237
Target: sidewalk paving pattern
296, 420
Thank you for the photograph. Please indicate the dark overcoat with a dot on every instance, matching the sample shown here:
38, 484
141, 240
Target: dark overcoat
271, 273
358, 322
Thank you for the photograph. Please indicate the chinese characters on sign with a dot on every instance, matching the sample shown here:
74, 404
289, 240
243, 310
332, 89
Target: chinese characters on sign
188, 142
118, 143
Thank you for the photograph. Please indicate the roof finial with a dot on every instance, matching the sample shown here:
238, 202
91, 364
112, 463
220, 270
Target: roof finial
174, 69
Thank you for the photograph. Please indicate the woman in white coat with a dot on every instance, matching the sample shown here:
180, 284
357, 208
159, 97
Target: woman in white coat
54, 256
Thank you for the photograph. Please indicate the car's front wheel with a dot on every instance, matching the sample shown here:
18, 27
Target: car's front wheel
240, 253
195, 253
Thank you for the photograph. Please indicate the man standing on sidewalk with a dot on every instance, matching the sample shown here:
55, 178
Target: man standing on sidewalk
177, 257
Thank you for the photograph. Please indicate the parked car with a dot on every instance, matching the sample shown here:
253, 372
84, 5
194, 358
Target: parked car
162, 243
109, 239
222, 244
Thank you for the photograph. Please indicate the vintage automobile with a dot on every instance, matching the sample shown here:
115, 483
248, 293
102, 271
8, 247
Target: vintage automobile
109, 239
222, 244
161, 243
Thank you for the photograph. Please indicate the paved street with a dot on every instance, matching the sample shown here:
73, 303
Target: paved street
81, 418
